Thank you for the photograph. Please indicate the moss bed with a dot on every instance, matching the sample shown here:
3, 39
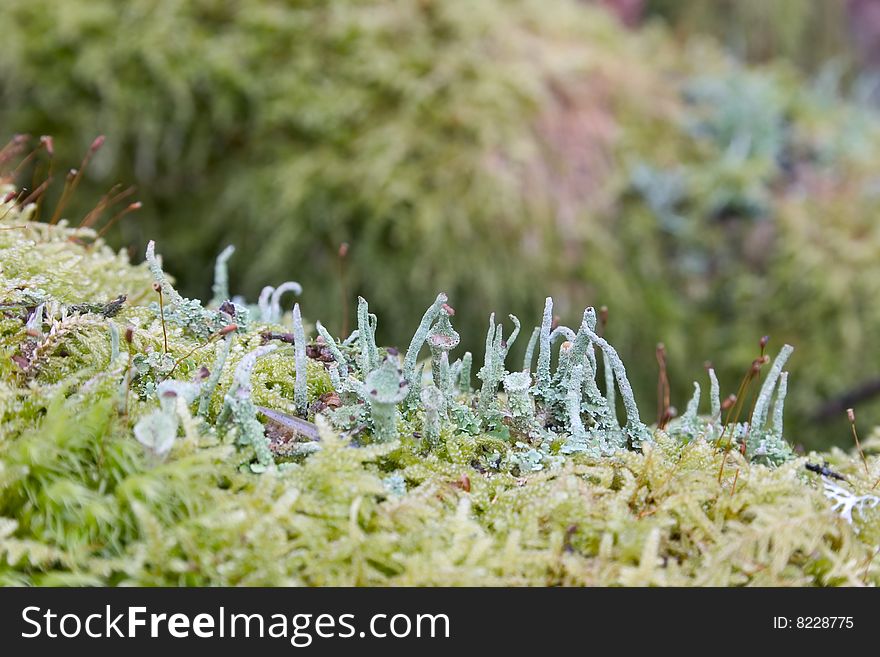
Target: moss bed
249, 452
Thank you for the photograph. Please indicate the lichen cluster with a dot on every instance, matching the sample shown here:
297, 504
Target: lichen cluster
158, 440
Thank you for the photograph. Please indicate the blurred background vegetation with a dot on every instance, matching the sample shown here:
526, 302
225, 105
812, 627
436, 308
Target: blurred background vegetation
707, 170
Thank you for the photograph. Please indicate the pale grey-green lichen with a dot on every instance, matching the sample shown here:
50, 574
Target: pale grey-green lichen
341, 364
385, 389
610, 394
174, 308
220, 287
270, 301
714, 396
578, 440
239, 405
601, 408
492, 372
779, 406
366, 334
766, 444
464, 373
445, 382
519, 402
542, 383
635, 429
689, 420
434, 404
415, 345
300, 386
442, 339
762, 405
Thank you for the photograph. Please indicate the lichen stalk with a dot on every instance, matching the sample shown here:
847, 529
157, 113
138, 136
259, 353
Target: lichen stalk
300, 390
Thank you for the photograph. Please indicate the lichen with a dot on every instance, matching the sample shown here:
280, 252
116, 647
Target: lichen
385, 389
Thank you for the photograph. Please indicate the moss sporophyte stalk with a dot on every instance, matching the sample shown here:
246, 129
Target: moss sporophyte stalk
231, 443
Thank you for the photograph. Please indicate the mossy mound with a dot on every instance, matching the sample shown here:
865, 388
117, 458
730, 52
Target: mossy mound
522, 488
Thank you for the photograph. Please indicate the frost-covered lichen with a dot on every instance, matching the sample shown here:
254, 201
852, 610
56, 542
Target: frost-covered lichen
434, 403
300, 386
493, 372
542, 384
766, 443
385, 389
519, 401
418, 340
220, 288
239, 406
194, 318
441, 340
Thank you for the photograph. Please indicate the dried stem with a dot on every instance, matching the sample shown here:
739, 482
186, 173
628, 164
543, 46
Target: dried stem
662, 388
851, 416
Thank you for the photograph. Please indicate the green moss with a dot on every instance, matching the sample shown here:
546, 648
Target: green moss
82, 501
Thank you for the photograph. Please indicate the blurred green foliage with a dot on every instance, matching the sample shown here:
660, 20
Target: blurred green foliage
808, 33
493, 150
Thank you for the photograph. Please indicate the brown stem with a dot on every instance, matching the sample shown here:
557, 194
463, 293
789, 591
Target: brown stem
851, 415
